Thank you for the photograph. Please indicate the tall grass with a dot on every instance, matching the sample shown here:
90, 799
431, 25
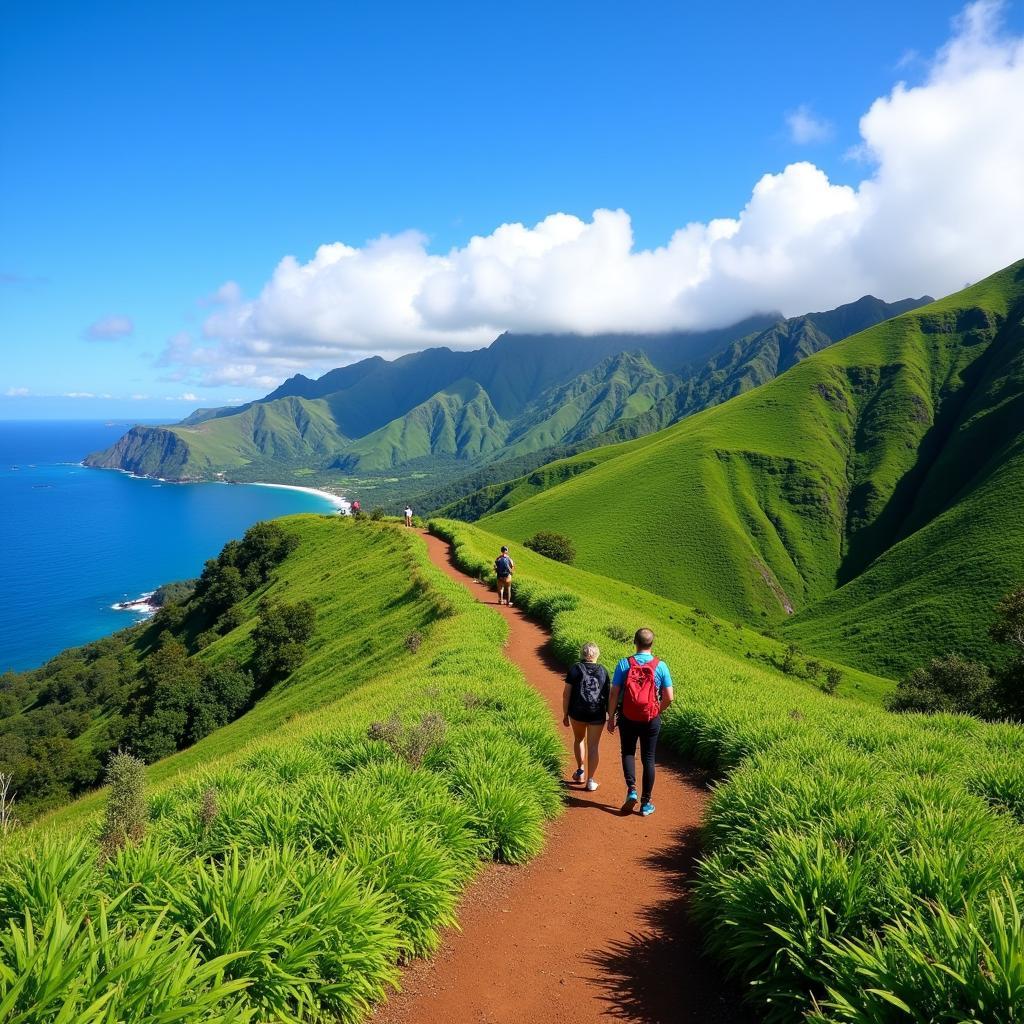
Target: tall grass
858, 866
289, 879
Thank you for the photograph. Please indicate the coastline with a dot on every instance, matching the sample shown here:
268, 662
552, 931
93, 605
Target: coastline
336, 500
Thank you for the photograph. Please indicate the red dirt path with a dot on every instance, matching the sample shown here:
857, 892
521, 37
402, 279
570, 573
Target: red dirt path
594, 929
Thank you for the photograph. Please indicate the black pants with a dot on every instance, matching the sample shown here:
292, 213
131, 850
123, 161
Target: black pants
647, 734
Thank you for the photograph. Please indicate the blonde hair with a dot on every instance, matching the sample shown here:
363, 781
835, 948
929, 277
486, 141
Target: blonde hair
590, 651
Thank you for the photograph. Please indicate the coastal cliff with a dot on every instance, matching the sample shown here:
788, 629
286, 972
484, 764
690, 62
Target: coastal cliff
147, 451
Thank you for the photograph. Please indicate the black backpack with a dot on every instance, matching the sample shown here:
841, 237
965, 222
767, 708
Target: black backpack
503, 566
591, 696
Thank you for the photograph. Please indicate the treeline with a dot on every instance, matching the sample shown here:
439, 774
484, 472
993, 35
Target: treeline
145, 689
958, 686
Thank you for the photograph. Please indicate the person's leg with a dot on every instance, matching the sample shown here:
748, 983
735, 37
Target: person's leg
594, 748
579, 734
648, 744
627, 745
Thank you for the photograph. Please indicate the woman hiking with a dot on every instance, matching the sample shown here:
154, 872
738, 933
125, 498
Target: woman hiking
585, 709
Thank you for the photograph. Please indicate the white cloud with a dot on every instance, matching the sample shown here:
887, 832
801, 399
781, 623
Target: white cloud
185, 396
941, 203
17, 393
805, 126
79, 394
110, 328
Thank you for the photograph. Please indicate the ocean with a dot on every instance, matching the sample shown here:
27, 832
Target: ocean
75, 541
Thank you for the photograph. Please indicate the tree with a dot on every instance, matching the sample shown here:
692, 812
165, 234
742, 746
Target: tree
1009, 626
555, 546
280, 638
951, 684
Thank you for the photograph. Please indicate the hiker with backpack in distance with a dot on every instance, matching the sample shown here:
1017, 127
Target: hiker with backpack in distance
504, 567
584, 707
646, 687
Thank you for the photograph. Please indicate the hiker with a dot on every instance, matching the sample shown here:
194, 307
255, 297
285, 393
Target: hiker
408, 515
645, 684
357, 509
504, 567
584, 708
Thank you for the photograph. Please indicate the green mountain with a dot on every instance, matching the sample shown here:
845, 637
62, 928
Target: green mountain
444, 413
873, 491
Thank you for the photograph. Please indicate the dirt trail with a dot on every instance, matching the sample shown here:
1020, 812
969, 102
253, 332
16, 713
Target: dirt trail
594, 929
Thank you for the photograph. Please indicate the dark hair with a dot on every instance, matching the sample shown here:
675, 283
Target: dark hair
503, 548
644, 638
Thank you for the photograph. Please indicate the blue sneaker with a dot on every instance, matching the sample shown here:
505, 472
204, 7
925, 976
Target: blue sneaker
577, 776
647, 810
631, 802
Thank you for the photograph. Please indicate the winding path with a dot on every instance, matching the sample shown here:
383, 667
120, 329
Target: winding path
594, 929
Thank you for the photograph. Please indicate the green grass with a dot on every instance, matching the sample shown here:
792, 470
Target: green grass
853, 859
293, 862
873, 489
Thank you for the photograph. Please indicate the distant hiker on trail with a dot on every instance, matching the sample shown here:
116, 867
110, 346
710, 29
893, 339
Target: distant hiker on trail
408, 515
585, 707
646, 687
357, 509
504, 567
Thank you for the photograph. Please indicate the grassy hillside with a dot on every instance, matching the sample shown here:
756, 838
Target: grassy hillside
293, 860
858, 866
769, 503
441, 412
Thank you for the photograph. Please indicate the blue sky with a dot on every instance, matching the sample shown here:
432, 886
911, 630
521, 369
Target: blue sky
154, 152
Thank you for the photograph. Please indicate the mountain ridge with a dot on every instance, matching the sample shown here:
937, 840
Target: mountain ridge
533, 393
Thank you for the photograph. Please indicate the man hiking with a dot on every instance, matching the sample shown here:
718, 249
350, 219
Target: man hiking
504, 567
408, 515
645, 685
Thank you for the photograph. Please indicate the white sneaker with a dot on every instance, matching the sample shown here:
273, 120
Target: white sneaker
591, 785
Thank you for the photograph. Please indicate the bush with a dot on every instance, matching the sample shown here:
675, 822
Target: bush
833, 679
555, 546
125, 818
280, 638
949, 684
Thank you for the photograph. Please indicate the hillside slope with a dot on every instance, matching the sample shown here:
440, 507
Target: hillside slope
769, 503
444, 412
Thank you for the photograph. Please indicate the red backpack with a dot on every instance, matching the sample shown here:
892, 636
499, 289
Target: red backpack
640, 701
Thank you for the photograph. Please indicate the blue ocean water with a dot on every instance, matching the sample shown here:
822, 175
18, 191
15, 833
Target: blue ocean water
73, 541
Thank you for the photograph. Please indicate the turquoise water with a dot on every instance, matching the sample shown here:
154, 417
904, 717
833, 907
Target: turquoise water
74, 541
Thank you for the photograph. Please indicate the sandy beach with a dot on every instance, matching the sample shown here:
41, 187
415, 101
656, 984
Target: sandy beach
334, 499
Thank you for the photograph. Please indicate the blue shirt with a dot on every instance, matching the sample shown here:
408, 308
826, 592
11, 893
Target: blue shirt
662, 676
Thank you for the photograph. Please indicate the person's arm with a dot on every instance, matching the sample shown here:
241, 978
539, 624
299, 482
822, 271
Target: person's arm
613, 706
666, 686
570, 680
613, 696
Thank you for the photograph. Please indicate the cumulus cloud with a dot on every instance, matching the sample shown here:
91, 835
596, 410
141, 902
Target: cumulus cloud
940, 203
805, 126
110, 328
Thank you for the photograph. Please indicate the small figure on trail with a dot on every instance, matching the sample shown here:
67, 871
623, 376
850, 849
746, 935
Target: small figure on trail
585, 708
504, 567
357, 509
645, 684
408, 515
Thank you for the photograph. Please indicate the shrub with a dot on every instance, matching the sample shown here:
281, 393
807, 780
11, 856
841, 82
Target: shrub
552, 545
280, 638
413, 642
948, 684
413, 742
833, 679
125, 819
377, 514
